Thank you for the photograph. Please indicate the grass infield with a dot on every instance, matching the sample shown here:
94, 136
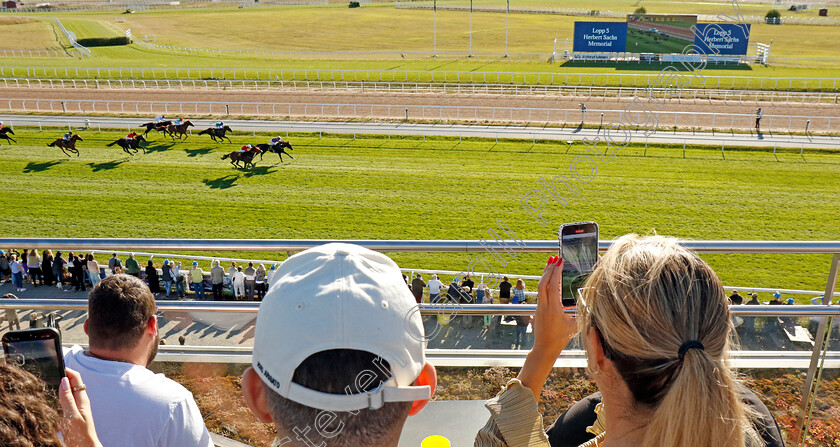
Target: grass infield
437, 188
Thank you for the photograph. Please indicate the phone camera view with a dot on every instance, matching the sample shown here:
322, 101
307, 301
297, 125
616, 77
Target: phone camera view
37, 357
579, 244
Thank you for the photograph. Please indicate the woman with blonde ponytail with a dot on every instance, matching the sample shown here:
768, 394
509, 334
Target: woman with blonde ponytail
654, 320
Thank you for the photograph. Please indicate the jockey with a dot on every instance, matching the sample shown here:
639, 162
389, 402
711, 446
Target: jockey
220, 125
131, 136
178, 121
276, 140
246, 148
67, 136
160, 118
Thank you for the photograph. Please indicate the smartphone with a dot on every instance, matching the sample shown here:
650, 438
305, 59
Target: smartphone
37, 351
579, 250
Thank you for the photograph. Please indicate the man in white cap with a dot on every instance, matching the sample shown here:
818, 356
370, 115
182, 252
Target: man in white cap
338, 351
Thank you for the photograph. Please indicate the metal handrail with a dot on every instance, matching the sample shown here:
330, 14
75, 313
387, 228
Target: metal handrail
425, 309
391, 245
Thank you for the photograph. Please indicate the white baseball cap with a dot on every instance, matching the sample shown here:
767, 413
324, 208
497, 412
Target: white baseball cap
340, 296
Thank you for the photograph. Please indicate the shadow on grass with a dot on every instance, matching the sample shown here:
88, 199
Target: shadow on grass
40, 167
158, 146
106, 166
226, 182
259, 170
197, 152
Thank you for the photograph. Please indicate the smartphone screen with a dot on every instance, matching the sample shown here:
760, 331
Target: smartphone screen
579, 250
37, 351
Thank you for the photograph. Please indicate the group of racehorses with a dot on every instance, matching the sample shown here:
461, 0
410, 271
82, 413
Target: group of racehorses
132, 145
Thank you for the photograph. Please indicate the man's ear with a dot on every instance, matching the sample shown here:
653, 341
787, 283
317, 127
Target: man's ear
86, 326
253, 390
152, 326
428, 376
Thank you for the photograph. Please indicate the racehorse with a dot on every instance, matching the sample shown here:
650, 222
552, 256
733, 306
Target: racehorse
159, 126
246, 157
67, 145
217, 133
180, 129
4, 134
277, 148
129, 144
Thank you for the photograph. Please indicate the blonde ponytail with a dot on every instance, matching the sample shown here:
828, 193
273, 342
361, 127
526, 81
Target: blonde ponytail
663, 318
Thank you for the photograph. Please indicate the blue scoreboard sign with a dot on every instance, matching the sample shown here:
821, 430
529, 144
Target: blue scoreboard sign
720, 38
600, 37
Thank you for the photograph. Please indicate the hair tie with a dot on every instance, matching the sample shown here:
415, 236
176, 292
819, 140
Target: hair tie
691, 344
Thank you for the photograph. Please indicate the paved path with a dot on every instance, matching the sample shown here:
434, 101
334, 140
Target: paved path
723, 139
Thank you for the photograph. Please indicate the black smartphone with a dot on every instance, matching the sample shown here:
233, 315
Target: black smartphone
37, 351
579, 250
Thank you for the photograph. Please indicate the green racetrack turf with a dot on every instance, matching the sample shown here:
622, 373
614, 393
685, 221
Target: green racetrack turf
407, 188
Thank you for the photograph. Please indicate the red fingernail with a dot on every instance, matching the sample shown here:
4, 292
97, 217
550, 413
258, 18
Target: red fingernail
559, 260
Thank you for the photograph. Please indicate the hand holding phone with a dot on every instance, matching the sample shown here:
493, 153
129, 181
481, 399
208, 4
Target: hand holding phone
37, 351
579, 251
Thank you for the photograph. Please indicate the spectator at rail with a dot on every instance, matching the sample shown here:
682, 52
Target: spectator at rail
453, 292
33, 263
178, 279
46, 267
130, 404
259, 282
239, 284
735, 298
789, 302
59, 270
758, 119
250, 274
504, 291
217, 279
166, 277
93, 270
270, 275
520, 337
417, 286
231, 271
5, 272
777, 299
11, 316
519, 292
308, 360
582, 113
153, 278
434, 289
197, 280
487, 299
654, 323
78, 271
132, 267
17, 273
467, 285
753, 300
113, 263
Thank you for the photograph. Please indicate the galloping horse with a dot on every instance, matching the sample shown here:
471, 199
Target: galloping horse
246, 157
129, 144
159, 126
277, 148
4, 134
217, 133
67, 145
180, 129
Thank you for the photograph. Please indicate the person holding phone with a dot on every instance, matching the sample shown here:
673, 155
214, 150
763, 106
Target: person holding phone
654, 321
26, 414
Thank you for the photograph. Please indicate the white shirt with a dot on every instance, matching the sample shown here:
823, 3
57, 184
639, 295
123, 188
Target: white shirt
133, 406
238, 278
434, 286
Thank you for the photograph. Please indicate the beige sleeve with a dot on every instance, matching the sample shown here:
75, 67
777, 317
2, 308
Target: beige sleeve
514, 420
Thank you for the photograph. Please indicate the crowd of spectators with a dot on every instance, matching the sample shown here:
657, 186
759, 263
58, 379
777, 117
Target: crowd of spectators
654, 325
